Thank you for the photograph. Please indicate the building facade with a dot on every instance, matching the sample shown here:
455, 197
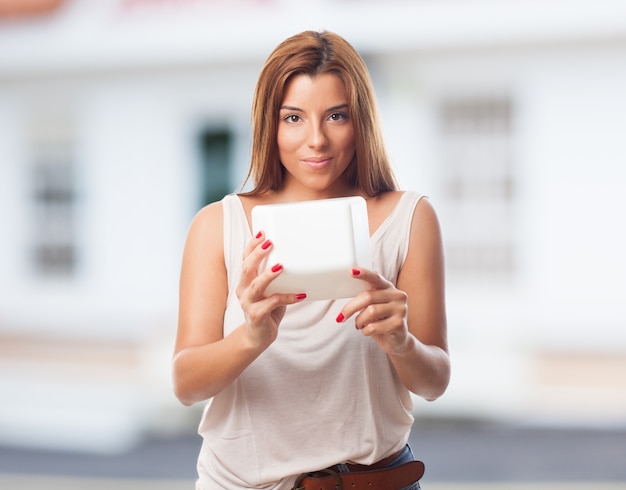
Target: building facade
120, 119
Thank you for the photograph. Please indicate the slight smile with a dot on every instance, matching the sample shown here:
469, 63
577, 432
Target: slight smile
316, 163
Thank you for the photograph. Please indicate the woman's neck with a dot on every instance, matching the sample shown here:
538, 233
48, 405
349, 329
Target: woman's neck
291, 192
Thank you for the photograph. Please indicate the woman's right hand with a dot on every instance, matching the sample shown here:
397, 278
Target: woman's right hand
263, 313
206, 361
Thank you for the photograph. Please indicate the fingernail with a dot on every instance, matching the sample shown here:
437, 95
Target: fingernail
300, 296
259, 234
266, 244
340, 317
277, 267
355, 272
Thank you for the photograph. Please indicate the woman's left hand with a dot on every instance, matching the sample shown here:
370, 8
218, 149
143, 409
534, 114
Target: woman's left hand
381, 312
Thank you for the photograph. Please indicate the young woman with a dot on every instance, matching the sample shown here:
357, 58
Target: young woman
301, 391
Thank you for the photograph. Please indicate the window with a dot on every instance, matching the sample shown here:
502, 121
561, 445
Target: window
53, 197
476, 154
215, 165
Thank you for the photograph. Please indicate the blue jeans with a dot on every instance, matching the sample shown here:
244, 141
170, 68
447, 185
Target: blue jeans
405, 456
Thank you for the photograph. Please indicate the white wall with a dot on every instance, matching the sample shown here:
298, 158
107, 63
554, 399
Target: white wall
137, 115
575, 115
137, 192
567, 293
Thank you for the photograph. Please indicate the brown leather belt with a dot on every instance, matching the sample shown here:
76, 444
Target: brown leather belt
370, 477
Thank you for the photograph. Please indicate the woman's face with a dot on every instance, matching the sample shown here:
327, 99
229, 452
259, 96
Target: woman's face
315, 136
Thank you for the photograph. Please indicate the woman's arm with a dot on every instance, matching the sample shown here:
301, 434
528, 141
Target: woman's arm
205, 361
409, 322
424, 366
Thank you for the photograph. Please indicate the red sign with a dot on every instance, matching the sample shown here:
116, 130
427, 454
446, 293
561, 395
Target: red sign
25, 8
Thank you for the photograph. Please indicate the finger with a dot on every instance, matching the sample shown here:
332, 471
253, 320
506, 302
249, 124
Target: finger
373, 278
367, 297
291, 298
382, 326
371, 314
358, 303
391, 337
252, 244
372, 301
265, 305
256, 251
257, 285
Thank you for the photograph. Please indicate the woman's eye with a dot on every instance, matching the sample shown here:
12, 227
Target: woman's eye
292, 118
338, 116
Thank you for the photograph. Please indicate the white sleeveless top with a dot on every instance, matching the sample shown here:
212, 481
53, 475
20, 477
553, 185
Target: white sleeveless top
321, 394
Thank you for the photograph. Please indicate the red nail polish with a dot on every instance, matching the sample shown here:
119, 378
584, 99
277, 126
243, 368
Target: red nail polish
300, 296
259, 234
340, 317
277, 267
266, 244
355, 272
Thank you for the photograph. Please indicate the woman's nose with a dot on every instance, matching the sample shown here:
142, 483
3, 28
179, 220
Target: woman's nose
317, 136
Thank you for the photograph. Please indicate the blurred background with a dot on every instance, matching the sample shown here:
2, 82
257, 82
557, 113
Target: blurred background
120, 119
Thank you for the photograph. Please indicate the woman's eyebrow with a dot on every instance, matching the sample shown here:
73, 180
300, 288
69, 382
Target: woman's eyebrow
337, 107
330, 109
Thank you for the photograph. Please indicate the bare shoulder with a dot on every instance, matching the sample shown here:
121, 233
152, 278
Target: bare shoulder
203, 280
425, 235
209, 214
206, 229
425, 210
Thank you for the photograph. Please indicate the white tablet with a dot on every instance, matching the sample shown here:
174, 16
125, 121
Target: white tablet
318, 243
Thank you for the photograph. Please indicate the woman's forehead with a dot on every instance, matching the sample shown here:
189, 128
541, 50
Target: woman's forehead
304, 89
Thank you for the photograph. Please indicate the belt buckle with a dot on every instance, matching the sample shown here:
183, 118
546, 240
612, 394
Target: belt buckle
334, 474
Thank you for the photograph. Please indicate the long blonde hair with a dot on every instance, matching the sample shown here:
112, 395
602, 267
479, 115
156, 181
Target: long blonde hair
314, 53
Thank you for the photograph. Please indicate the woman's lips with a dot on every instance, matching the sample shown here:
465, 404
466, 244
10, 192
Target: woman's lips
316, 163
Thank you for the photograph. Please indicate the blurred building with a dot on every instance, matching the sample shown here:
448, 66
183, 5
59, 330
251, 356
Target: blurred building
119, 119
